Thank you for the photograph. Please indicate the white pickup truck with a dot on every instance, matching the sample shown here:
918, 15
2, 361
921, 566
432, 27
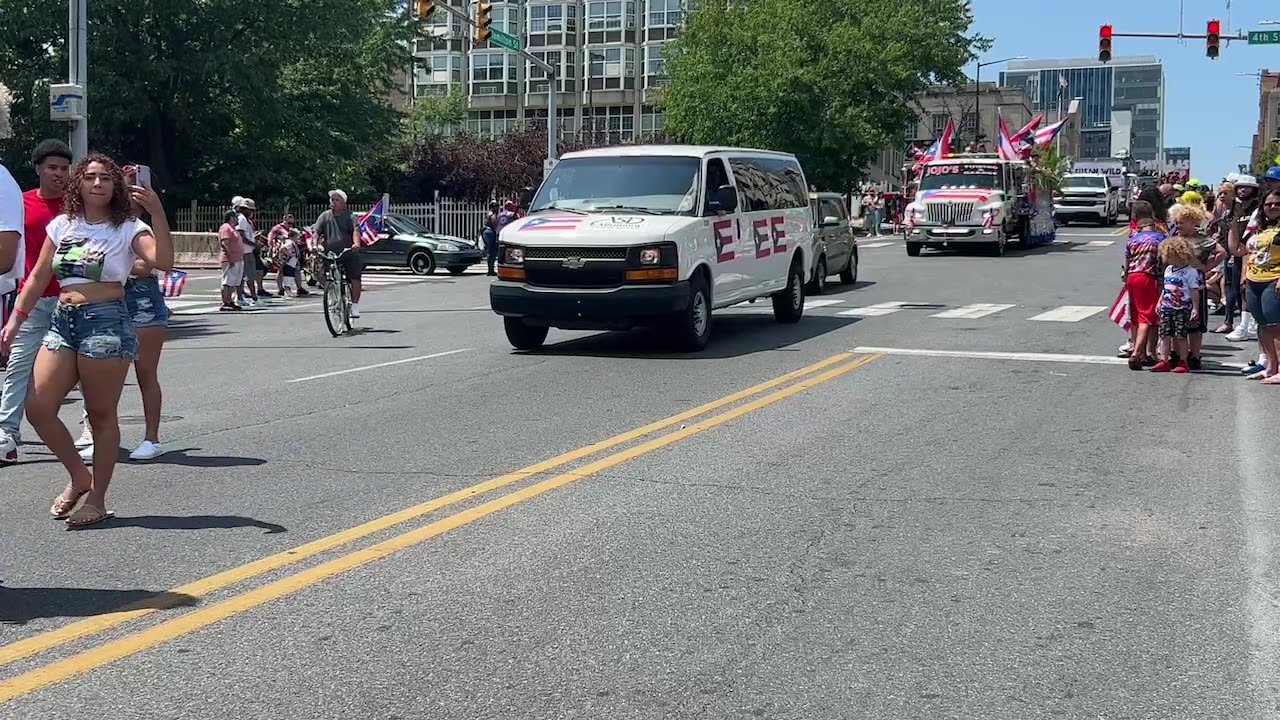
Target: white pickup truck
1088, 196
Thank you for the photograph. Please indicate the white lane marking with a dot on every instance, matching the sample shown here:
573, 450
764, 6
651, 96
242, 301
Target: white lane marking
1100, 243
876, 310
378, 365
874, 245
978, 355
1068, 313
1260, 503
972, 312
812, 304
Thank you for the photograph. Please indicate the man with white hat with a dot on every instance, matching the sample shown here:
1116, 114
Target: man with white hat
336, 231
245, 209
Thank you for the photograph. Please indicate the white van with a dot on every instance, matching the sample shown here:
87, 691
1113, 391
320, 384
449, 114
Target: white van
655, 235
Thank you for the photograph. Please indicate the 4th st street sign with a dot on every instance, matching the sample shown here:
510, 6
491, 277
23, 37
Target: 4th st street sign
1264, 37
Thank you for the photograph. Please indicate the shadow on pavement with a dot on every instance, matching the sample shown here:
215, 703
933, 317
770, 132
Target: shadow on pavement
181, 457
731, 336
20, 605
180, 329
188, 522
325, 347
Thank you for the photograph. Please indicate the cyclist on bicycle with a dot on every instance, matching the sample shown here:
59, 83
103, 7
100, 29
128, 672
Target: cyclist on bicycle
336, 231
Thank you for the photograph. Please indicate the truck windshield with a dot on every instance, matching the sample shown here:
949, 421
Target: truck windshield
1086, 181
667, 185
958, 176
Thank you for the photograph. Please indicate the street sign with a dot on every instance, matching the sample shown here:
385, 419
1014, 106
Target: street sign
511, 42
1264, 37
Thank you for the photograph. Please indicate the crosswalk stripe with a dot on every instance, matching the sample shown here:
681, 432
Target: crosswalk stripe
811, 304
1100, 243
1069, 313
972, 312
874, 245
877, 310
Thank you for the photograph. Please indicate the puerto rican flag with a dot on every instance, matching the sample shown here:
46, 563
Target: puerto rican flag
563, 223
1046, 134
174, 282
371, 223
939, 149
1120, 310
1007, 149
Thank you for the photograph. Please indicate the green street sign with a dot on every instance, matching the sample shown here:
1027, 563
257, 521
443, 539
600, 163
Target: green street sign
1264, 37
511, 42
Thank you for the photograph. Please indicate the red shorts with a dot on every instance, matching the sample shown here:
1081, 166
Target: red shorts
1144, 296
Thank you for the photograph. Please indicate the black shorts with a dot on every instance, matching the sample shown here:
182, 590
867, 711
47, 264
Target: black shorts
352, 265
1175, 323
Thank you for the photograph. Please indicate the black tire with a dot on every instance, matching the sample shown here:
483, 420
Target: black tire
691, 329
422, 262
996, 249
818, 284
849, 275
457, 270
913, 249
523, 336
336, 309
788, 305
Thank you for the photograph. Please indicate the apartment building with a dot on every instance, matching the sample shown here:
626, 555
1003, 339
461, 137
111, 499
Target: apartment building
608, 54
1268, 111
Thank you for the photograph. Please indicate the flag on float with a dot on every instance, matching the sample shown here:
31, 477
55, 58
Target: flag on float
944, 142
1120, 310
370, 223
174, 282
1046, 134
1027, 129
1007, 151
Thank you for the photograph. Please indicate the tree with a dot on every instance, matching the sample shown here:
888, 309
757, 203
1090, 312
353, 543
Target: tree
439, 115
268, 98
1048, 167
829, 80
1268, 156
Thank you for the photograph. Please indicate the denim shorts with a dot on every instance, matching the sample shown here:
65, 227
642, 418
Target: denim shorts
146, 302
100, 330
1264, 303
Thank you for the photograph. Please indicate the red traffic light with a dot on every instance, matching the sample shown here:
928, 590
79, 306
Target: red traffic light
1104, 32
1215, 27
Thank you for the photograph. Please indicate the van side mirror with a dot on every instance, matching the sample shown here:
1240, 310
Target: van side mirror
723, 199
830, 221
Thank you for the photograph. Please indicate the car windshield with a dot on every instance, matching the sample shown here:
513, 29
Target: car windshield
1086, 181
407, 225
961, 176
667, 185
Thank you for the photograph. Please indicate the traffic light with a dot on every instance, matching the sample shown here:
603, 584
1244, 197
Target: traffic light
1104, 43
1213, 35
425, 8
484, 19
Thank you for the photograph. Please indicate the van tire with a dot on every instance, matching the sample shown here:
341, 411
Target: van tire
818, 284
849, 275
523, 336
691, 328
913, 249
788, 305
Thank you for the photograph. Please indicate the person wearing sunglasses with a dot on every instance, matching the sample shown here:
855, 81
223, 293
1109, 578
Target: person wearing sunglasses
1262, 276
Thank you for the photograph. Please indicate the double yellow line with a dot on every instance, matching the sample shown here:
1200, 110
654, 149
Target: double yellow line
87, 660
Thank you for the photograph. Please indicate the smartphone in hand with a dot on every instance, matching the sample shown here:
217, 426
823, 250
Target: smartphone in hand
144, 175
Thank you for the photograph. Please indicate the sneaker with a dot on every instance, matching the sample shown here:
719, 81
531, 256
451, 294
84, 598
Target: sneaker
1251, 369
1126, 348
147, 451
1181, 367
355, 310
8, 444
1241, 335
228, 308
11, 456
1193, 363
86, 438
1162, 366
1260, 375
86, 454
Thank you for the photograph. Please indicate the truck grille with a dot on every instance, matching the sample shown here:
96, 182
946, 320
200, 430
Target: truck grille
585, 253
949, 213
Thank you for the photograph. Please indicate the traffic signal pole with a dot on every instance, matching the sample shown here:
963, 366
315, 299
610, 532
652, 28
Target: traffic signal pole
1212, 36
552, 117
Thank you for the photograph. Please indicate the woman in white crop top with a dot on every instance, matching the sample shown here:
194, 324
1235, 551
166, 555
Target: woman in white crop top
91, 341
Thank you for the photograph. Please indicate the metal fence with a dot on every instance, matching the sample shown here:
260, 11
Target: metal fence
442, 216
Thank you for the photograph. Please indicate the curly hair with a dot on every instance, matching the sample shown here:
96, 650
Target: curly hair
121, 210
1188, 211
1178, 251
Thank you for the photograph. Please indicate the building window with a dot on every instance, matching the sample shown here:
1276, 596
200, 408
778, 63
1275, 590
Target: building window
938, 121
553, 19
442, 68
492, 67
612, 62
611, 14
442, 24
654, 66
968, 124
618, 123
564, 63
491, 123
664, 13
506, 18
651, 120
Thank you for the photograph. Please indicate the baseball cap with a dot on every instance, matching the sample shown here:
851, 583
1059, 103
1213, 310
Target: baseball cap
339, 193
1246, 181
1273, 173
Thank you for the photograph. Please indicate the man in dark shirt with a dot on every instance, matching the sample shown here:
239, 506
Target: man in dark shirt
336, 231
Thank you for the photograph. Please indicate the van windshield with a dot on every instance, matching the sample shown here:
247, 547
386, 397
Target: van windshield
962, 176
1086, 181
666, 185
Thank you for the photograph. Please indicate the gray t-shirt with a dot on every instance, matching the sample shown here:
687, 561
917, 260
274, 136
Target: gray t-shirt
336, 230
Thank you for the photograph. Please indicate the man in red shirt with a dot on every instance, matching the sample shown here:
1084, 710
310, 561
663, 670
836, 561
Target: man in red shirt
52, 161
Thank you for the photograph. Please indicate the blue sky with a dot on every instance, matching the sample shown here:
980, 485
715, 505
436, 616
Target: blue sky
1207, 106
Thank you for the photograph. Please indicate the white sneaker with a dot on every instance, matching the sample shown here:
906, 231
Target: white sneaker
86, 454
147, 451
7, 443
355, 310
86, 438
1241, 334
1127, 347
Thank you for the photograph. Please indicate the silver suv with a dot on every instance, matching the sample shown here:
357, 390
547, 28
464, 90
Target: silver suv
835, 250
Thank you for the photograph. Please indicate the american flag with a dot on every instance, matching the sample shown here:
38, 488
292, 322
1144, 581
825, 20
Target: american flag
370, 223
1120, 310
555, 222
174, 282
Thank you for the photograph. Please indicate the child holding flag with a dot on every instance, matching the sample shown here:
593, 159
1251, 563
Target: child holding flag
1142, 270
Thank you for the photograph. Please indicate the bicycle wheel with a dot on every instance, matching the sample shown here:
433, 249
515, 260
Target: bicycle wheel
346, 303
335, 309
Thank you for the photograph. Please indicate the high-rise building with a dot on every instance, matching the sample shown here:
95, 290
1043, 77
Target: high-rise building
608, 54
1135, 84
1268, 112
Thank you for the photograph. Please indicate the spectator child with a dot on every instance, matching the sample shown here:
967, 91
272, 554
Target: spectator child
1142, 274
1179, 302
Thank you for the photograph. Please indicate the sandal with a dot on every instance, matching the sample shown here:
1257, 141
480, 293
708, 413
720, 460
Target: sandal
62, 507
1224, 328
1274, 379
87, 515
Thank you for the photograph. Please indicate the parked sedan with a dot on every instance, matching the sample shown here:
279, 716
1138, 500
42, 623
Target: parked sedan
406, 243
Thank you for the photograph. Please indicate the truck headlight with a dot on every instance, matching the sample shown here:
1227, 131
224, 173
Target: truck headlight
513, 256
650, 256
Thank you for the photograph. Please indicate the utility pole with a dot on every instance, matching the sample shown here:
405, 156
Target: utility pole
78, 73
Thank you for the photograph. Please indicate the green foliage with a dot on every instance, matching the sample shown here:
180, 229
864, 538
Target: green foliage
1048, 167
439, 115
264, 98
828, 80
1267, 158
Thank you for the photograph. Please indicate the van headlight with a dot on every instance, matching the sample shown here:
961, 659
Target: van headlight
650, 256
512, 255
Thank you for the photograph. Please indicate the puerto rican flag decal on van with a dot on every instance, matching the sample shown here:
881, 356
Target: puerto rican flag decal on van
563, 223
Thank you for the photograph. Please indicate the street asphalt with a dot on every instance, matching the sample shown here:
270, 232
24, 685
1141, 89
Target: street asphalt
977, 515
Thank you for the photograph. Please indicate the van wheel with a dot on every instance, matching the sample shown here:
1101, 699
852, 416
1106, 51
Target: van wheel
818, 285
849, 275
691, 328
788, 305
523, 336
913, 249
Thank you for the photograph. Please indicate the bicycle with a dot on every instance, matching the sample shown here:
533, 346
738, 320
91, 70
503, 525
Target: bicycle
337, 293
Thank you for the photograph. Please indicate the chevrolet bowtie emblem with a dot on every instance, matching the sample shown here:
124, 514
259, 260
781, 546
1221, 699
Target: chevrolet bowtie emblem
573, 263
